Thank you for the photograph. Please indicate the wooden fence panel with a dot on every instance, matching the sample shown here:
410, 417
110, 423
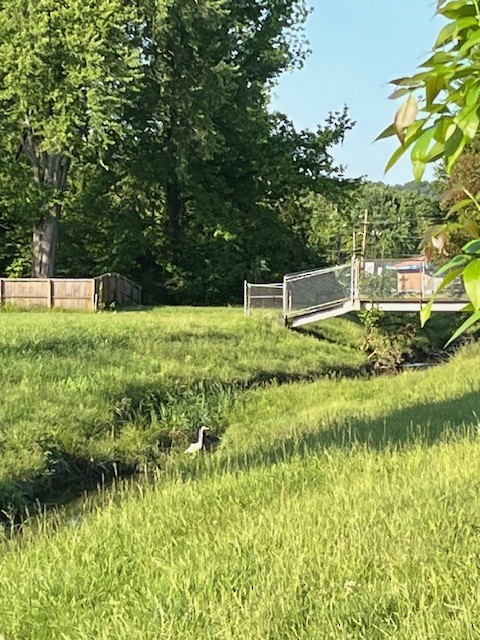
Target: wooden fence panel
26, 292
117, 289
74, 294
85, 294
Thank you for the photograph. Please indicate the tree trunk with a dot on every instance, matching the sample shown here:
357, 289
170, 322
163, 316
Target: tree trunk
175, 209
50, 168
54, 171
44, 248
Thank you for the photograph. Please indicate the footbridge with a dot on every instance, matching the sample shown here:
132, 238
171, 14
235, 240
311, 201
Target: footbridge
401, 285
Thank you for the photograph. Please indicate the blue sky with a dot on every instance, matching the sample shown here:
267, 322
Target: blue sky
358, 46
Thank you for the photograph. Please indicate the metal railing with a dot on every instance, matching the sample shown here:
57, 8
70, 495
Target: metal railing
361, 281
262, 297
402, 279
316, 289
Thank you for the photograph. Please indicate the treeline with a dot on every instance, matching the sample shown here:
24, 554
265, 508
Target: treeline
139, 137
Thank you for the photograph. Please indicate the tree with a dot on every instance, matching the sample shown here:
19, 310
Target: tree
66, 70
448, 121
397, 219
177, 169
465, 176
212, 67
19, 201
222, 159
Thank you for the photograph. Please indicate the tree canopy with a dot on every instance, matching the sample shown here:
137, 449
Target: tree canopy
67, 69
143, 134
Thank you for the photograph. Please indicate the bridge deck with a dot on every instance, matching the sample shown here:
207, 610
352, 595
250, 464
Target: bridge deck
402, 306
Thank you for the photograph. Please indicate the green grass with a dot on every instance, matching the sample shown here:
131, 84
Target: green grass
85, 394
335, 508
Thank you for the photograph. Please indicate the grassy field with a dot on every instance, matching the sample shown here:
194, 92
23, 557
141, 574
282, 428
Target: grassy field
85, 395
336, 508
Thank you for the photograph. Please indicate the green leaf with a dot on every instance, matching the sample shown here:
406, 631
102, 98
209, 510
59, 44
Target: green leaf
421, 146
443, 129
471, 42
445, 34
468, 121
396, 155
458, 9
434, 109
386, 133
448, 279
433, 86
439, 58
472, 247
461, 204
426, 312
419, 169
454, 146
457, 261
452, 29
471, 280
399, 93
406, 82
473, 94
436, 152
414, 131
466, 325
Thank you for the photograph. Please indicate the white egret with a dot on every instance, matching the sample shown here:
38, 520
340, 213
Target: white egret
199, 444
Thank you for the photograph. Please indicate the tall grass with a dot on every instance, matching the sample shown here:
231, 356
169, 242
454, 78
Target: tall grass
346, 544
87, 395
335, 509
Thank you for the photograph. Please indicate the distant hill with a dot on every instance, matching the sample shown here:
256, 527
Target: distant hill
425, 188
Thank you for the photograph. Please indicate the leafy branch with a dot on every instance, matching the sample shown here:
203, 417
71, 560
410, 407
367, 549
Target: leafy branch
439, 118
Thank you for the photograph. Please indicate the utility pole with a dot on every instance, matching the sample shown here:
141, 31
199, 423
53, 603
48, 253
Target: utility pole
364, 242
364, 239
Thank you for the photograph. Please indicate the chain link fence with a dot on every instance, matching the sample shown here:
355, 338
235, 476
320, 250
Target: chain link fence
403, 279
316, 289
383, 281
263, 297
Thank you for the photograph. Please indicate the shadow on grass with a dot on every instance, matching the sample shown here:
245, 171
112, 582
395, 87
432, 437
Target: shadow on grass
425, 424
207, 401
68, 476
130, 308
170, 416
60, 347
319, 333
211, 335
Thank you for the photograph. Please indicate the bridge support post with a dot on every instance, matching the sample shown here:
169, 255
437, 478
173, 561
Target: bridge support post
355, 278
285, 302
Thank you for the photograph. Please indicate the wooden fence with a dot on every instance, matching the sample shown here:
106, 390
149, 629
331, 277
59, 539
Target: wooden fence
85, 294
116, 289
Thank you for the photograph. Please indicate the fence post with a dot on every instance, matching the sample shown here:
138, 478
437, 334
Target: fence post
353, 279
49, 293
94, 295
1, 293
285, 301
356, 277
245, 301
422, 281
